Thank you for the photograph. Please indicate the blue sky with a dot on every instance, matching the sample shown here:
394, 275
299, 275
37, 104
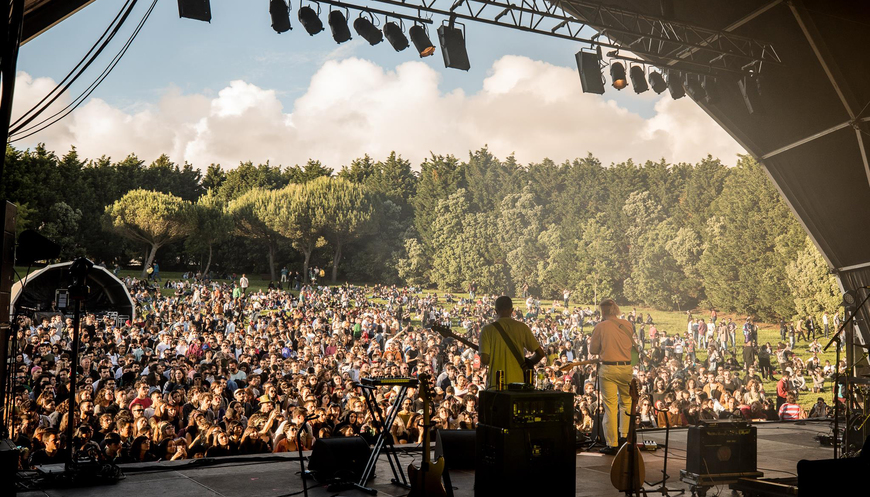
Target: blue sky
197, 59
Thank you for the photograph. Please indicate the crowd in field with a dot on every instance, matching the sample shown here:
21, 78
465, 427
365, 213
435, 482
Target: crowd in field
215, 369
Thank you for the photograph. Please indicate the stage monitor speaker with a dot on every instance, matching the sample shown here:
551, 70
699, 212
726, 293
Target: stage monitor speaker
846, 476
719, 448
457, 448
339, 459
195, 9
9, 455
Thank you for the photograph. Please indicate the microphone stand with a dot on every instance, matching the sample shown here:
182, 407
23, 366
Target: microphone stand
302, 459
663, 489
836, 338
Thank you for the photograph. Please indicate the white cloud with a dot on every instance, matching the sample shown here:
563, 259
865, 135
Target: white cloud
353, 107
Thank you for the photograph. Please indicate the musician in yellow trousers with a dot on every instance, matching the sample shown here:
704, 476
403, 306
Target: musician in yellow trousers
612, 340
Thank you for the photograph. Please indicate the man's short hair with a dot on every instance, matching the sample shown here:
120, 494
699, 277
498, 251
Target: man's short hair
503, 303
608, 307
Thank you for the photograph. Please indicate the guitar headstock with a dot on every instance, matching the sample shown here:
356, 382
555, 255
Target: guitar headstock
633, 390
425, 387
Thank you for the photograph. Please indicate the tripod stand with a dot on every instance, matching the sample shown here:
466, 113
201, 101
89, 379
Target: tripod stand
663, 489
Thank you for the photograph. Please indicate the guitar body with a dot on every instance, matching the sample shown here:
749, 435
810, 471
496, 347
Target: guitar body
621, 470
427, 483
627, 470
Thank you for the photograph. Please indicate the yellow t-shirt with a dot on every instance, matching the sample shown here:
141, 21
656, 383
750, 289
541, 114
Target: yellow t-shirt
500, 356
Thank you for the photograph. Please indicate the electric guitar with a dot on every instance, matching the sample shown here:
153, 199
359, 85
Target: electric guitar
447, 332
426, 481
627, 470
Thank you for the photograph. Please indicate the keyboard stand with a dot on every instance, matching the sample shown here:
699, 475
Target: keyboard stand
384, 438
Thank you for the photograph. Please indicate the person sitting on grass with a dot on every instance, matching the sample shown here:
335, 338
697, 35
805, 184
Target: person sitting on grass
791, 411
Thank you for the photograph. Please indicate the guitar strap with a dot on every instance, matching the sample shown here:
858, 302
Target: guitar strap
510, 345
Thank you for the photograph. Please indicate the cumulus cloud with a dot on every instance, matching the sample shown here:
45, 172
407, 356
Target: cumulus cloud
353, 106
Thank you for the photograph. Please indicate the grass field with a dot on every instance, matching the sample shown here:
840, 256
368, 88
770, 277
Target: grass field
669, 321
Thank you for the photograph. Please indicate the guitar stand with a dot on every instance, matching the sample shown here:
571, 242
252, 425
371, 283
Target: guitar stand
384, 438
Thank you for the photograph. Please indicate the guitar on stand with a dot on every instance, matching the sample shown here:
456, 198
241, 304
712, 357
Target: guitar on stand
627, 470
426, 481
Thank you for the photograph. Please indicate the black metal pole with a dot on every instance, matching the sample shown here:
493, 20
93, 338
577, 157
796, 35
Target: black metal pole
73, 369
8, 65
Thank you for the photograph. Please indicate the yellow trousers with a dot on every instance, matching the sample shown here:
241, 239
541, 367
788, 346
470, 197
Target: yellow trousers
614, 383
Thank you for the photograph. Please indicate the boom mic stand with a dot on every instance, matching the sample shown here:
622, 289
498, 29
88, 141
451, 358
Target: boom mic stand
663, 489
78, 291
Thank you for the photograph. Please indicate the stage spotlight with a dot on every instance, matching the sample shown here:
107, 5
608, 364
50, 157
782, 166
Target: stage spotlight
750, 89
310, 21
395, 36
657, 82
589, 66
638, 79
452, 43
694, 89
421, 41
712, 90
675, 86
195, 9
280, 13
368, 31
617, 74
338, 25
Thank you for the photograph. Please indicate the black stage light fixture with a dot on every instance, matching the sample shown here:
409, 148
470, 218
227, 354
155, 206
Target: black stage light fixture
368, 31
310, 21
395, 36
675, 86
452, 43
617, 75
589, 66
694, 89
338, 25
280, 13
638, 79
750, 89
711, 89
421, 41
657, 82
195, 9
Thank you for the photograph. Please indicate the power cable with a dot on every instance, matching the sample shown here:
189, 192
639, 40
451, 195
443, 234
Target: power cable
86, 60
81, 98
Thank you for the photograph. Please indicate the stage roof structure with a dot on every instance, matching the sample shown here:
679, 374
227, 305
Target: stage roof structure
107, 294
809, 127
42, 15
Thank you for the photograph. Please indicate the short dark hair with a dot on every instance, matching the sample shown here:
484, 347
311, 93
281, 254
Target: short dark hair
503, 303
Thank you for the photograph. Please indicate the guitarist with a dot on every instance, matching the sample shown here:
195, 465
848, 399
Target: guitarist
612, 341
498, 354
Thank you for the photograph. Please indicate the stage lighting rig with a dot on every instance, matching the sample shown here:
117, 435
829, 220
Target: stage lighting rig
638, 79
657, 82
368, 30
421, 41
617, 75
338, 25
280, 12
395, 36
310, 20
452, 42
675, 85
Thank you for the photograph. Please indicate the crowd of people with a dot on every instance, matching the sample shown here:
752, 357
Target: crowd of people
206, 370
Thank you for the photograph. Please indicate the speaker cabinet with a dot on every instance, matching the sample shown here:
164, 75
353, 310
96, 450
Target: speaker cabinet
453, 48
342, 459
590, 72
538, 460
722, 448
457, 448
195, 9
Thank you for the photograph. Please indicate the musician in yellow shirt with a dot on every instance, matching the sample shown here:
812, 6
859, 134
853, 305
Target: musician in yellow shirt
495, 353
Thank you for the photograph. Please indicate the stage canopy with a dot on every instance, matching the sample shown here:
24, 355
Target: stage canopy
810, 124
108, 294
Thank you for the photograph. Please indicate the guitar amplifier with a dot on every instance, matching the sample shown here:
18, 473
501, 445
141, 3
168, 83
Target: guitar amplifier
722, 448
537, 460
525, 408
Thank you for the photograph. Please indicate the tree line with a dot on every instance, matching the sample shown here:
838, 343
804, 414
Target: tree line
669, 236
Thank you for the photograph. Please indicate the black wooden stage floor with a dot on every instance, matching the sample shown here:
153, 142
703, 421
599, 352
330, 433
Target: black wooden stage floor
780, 447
